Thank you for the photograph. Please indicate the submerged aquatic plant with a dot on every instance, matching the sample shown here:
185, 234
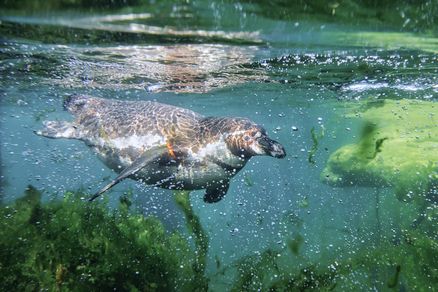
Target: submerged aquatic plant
315, 140
263, 272
408, 265
72, 245
182, 199
398, 147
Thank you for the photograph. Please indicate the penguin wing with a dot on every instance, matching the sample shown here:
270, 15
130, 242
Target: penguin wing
147, 157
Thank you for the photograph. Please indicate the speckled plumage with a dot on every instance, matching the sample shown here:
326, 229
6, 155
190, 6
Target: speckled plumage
196, 152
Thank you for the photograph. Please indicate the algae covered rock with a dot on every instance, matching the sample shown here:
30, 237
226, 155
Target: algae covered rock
398, 147
71, 245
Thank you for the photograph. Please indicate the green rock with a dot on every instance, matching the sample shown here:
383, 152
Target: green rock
398, 147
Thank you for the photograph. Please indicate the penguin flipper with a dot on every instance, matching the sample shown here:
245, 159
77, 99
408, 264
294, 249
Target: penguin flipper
215, 193
147, 157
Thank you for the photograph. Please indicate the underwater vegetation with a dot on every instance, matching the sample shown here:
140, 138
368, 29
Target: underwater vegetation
315, 139
398, 147
263, 272
408, 265
68, 244
182, 199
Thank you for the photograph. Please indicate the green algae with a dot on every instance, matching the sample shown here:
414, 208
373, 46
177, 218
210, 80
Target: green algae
182, 199
73, 245
70, 244
410, 264
248, 180
398, 147
263, 272
393, 281
294, 244
315, 142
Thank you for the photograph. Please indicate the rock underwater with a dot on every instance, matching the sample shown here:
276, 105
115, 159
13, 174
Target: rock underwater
398, 147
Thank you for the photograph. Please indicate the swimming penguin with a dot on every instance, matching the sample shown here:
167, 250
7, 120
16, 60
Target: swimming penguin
164, 145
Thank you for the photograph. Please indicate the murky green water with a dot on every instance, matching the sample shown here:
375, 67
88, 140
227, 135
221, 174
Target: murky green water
353, 206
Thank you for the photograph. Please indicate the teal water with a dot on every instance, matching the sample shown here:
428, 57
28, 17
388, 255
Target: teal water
305, 77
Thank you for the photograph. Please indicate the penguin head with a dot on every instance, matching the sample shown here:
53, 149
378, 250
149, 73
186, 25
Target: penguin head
249, 139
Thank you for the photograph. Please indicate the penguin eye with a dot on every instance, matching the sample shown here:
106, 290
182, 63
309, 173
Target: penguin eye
246, 138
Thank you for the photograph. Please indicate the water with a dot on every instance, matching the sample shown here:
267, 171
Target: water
307, 80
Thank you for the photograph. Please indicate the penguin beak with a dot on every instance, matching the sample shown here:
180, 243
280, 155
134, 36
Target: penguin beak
271, 147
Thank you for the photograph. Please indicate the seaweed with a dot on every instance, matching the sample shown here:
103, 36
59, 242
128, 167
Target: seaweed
308, 279
410, 265
393, 281
295, 243
366, 142
182, 199
378, 147
304, 203
248, 180
315, 139
67, 244
263, 273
